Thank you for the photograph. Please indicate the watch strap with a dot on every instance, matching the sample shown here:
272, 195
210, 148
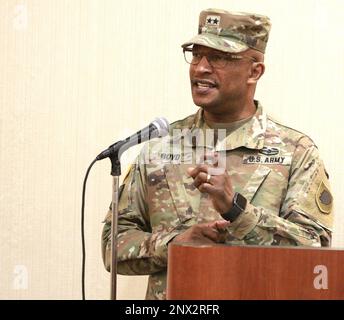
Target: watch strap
239, 205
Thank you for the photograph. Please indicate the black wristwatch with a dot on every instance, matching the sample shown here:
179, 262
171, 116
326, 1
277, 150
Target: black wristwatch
239, 205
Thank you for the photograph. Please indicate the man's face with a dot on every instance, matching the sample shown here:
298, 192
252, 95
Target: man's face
216, 89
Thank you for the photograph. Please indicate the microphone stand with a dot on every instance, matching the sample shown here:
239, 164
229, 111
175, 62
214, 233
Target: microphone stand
116, 173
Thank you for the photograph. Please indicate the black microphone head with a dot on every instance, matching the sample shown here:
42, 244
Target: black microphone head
158, 128
162, 126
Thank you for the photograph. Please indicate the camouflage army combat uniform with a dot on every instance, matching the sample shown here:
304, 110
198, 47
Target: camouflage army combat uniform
276, 168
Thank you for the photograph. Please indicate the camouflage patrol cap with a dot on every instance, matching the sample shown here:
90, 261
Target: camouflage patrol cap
231, 31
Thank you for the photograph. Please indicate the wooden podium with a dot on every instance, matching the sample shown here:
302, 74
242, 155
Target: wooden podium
222, 272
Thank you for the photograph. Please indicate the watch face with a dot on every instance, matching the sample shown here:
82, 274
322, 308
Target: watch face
241, 201
239, 205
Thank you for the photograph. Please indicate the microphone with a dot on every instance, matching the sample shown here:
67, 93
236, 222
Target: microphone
158, 128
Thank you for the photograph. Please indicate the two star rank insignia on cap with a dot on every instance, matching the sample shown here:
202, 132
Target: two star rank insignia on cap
212, 21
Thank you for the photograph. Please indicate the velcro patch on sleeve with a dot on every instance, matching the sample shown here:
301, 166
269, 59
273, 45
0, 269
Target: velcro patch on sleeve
324, 198
315, 198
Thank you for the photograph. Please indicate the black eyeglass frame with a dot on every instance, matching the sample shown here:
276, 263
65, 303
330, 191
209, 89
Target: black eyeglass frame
227, 55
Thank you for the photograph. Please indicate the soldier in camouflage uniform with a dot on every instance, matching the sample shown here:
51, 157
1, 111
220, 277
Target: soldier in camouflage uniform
259, 183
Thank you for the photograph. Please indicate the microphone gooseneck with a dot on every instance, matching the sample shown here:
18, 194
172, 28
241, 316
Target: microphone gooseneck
156, 129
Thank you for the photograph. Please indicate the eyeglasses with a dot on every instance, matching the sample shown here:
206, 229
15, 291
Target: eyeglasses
216, 60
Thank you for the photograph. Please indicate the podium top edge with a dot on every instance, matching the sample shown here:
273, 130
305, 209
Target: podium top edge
220, 245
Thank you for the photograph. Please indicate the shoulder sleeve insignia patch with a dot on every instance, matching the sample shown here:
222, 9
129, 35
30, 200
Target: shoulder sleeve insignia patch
324, 198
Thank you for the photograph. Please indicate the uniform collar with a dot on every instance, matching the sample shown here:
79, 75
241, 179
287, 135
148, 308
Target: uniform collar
251, 135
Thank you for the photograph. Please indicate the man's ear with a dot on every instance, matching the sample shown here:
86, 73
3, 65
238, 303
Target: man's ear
257, 70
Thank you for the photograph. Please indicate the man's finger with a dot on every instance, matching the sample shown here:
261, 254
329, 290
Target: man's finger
207, 188
202, 177
193, 172
190, 170
220, 224
211, 233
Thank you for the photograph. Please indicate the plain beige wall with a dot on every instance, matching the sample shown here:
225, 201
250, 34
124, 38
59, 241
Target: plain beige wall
77, 75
